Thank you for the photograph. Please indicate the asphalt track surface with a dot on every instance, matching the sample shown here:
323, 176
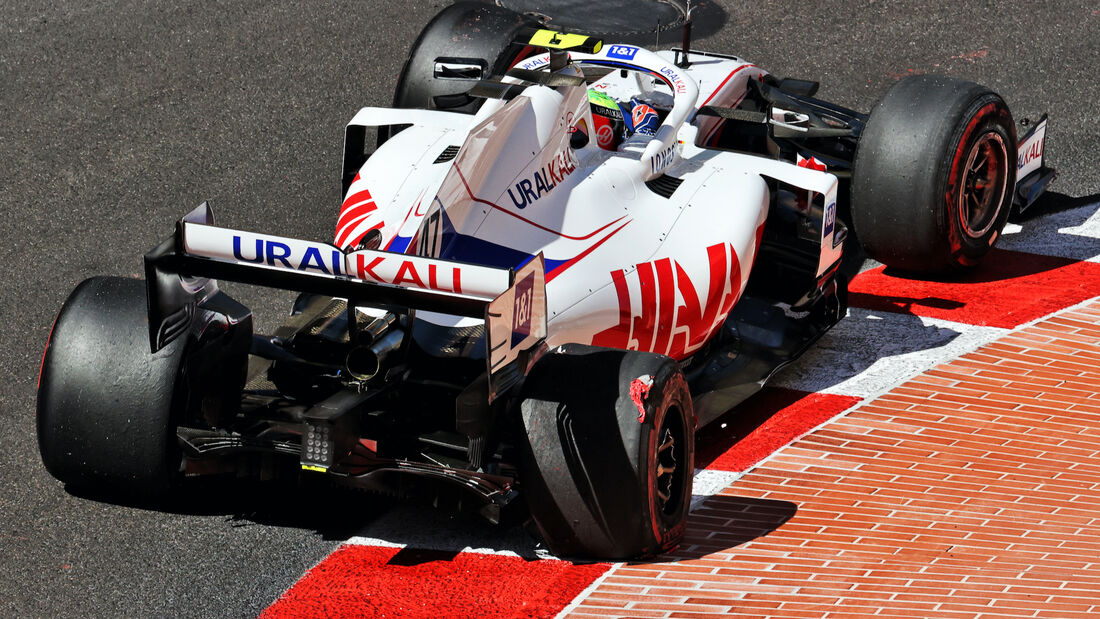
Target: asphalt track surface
118, 117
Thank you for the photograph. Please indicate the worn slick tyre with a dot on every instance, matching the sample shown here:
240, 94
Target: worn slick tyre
105, 404
934, 174
465, 30
606, 477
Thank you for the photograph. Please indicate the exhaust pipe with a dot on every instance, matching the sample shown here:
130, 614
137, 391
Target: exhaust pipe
364, 362
375, 328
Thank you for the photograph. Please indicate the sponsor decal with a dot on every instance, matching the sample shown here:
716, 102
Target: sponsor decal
534, 62
605, 137
318, 258
521, 310
543, 181
607, 105
673, 319
605, 131
622, 52
402, 271
515, 321
1030, 151
661, 160
830, 219
1033, 152
326, 260
674, 77
427, 273
612, 113
383, 269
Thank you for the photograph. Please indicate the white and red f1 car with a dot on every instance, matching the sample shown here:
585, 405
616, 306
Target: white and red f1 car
515, 312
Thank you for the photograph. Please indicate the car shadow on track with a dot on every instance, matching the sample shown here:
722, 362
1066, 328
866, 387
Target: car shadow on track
1040, 267
766, 421
1053, 202
439, 524
899, 324
333, 513
724, 522
1051, 210
1053, 225
630, 21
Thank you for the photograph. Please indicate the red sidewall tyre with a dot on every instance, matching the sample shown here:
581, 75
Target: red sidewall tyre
608, 452
473, 30
921, 195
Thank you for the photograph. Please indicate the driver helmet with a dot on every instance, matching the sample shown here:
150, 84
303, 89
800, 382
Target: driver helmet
608, 121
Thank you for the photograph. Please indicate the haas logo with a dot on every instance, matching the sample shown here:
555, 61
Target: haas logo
672, 318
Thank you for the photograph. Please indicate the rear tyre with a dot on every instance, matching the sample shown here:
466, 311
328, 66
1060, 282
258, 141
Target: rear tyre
105, 404
934, 174
608, 464
474, 31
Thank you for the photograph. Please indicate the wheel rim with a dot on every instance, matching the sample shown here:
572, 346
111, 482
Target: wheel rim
984, 183
670, 467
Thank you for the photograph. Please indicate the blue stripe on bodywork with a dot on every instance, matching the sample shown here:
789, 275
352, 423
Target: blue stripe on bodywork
399, 244
465, 248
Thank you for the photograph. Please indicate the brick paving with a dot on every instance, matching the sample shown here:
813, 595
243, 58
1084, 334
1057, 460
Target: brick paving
972, 490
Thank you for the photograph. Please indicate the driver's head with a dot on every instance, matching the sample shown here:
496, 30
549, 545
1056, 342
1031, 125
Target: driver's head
607, 120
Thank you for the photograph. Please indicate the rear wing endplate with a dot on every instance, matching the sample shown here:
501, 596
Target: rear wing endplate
515, 324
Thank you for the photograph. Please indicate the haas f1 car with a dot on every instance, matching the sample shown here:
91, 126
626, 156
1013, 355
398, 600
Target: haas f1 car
527, 303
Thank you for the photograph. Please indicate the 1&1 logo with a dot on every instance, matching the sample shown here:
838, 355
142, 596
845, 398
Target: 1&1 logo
622, 52
521, 310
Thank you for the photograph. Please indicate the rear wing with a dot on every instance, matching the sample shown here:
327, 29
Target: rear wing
182, 272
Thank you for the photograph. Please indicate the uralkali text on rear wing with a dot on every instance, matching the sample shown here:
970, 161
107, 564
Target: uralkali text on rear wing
181, 274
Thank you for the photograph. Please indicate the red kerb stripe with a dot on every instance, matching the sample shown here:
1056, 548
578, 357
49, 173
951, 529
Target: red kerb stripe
1006, 290
369, 581
763, 423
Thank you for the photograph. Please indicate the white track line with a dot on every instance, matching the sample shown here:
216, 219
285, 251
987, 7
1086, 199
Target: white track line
871, 350
435, 545
1074, 233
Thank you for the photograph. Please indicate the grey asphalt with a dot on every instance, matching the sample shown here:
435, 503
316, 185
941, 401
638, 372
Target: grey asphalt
116, 117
